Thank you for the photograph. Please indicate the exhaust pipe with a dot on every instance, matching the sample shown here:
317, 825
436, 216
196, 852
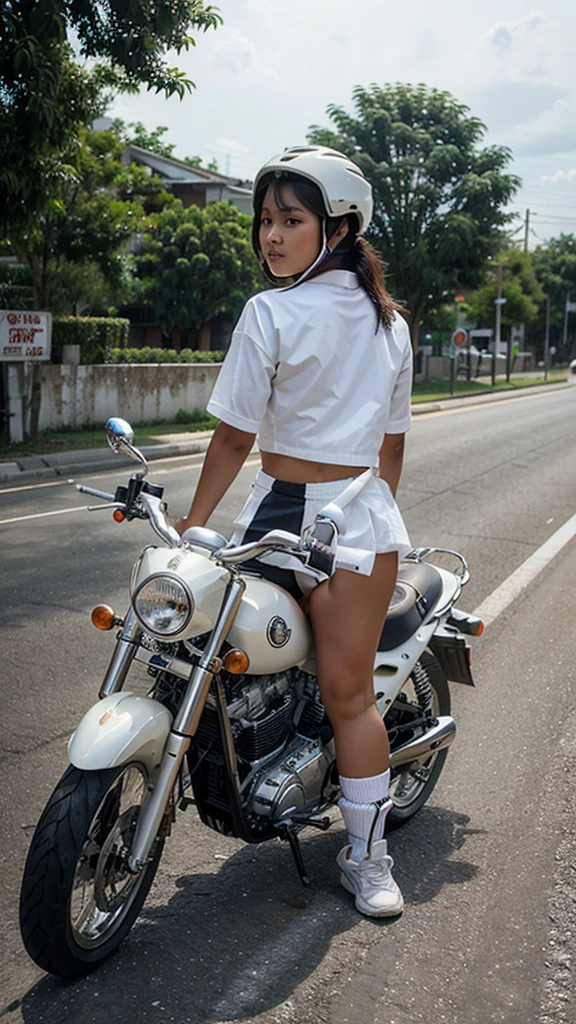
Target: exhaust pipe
437, 738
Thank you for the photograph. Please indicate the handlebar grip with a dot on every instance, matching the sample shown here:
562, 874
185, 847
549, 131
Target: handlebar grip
94, 492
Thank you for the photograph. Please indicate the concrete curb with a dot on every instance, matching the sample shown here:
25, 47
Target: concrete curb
97, 460
65, 464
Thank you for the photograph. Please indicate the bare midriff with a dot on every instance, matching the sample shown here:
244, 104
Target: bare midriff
301, 471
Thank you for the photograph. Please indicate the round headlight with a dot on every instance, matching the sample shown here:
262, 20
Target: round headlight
163, 604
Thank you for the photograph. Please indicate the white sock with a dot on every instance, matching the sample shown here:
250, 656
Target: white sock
364, 805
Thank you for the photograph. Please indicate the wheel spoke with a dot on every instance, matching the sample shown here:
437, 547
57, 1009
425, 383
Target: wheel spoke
103, 889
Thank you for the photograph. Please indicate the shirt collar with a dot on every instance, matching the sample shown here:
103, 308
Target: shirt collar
342, 278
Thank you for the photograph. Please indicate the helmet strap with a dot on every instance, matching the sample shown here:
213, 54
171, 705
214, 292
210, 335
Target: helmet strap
325, 252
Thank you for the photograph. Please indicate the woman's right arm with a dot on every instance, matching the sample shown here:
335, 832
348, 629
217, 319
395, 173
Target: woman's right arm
225, 457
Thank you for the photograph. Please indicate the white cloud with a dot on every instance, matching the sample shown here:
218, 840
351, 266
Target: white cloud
503, 33
553, 131
559, 178
238, 56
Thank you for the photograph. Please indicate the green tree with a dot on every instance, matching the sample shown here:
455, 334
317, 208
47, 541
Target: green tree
520, 288
136, 133
45, 97
439, 198
196, 264
75, 249
196, 161
555, 265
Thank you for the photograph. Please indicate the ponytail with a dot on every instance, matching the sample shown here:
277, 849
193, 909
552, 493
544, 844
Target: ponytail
363, 259
356, 254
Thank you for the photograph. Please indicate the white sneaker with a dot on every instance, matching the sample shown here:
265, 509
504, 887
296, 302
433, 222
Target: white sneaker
370, 880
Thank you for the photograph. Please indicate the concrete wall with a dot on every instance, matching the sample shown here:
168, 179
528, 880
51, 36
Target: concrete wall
77, 395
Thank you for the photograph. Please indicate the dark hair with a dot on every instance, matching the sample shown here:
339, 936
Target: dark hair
352, 253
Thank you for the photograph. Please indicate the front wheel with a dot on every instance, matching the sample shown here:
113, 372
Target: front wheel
412, 784
78, 899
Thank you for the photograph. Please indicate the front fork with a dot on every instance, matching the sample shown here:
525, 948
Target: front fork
183, 729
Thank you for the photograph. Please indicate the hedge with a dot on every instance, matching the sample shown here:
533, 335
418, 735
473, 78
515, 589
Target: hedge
96, 335
161, 355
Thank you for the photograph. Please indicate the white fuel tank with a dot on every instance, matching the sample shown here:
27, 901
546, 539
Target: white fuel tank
271, 628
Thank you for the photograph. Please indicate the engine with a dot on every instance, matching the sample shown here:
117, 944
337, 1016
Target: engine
284, 714
281, 738
264, 710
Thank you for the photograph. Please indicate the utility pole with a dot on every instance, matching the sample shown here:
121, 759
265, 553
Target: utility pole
547, 338
498, 302
526, 230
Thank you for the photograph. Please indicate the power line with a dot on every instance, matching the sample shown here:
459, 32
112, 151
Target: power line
555, 218
554, 206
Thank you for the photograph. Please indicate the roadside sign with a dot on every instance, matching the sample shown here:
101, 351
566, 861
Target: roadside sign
460, 337
25, 336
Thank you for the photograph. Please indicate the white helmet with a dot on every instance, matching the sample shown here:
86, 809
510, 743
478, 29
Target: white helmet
342, 184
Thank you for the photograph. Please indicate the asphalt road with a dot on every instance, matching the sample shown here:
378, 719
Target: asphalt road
487, 868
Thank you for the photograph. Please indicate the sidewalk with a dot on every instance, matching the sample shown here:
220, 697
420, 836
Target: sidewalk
91, 460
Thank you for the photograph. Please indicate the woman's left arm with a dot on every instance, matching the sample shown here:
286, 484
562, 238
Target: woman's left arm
391, 459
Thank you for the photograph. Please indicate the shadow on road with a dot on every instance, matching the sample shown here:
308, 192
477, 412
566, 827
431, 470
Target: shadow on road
232, 945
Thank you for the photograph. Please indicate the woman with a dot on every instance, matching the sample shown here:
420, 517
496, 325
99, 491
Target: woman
320, 368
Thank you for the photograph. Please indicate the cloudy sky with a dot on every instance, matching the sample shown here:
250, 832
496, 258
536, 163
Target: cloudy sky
271, 70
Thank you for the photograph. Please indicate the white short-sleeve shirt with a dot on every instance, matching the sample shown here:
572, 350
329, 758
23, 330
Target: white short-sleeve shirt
309, 372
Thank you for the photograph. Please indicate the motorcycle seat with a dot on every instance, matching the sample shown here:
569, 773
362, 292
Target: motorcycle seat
417, 590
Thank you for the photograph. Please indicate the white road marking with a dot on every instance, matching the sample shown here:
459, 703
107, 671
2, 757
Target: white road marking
32, 487
82, 508
44, 515
493, 605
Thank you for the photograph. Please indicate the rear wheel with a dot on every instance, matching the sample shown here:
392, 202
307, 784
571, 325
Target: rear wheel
412, 784
78, 899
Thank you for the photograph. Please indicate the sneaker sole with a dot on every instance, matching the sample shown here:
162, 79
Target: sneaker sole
365, 908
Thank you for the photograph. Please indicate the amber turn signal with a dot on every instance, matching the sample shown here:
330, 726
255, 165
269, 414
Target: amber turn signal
118, 515
103, 617
479, 628
237, 662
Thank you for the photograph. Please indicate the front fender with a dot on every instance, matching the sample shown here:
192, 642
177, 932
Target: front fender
118, 729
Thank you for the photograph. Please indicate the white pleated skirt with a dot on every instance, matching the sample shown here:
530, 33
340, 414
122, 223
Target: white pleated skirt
373, 525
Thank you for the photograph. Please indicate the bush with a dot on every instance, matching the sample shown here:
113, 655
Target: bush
197, 417
96, 335
161, 355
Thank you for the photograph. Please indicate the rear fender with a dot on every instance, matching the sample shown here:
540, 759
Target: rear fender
118, 729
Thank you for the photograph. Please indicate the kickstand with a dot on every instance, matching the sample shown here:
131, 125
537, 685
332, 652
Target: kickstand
292, 836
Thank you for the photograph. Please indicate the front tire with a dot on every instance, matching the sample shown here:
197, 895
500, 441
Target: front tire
412, 785
78, 900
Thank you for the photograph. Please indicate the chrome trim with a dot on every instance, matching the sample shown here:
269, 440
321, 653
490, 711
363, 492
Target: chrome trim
156, 509
279, 541
183, 729
436, 738
421, 555
176, 666
122, 657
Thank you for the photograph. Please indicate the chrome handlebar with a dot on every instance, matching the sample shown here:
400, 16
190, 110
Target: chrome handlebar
156, 508
276, 540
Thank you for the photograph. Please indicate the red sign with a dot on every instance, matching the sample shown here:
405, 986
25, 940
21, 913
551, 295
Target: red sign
460, 337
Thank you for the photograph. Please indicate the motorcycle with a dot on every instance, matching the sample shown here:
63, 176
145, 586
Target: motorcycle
232, 722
